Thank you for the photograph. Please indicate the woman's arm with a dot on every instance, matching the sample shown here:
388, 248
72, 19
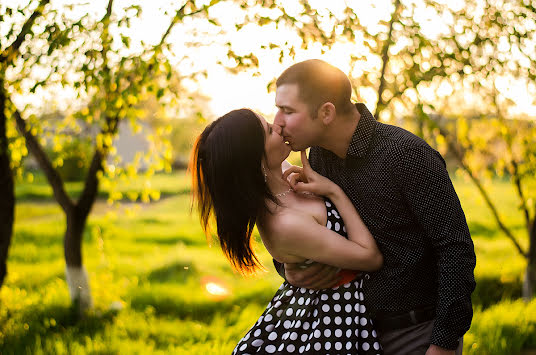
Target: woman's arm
302, 236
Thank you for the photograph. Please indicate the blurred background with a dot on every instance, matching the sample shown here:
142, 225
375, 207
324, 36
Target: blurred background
100, 102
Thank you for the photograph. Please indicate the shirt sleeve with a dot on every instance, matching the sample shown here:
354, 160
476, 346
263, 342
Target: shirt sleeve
424, 181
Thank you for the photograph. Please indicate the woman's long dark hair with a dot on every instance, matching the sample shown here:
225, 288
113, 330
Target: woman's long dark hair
229, 184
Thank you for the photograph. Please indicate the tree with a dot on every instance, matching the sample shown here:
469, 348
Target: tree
10, 53
109, 78
496, 40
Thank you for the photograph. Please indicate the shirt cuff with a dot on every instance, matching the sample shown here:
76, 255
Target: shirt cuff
445, 338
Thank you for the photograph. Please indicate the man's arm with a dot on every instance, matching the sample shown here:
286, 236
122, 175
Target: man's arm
315, 276
426, 185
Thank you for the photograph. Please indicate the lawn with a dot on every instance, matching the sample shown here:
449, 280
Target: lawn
150, 268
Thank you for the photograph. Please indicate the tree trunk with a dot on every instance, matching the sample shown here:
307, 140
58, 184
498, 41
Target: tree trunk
7, 202
529, 284
380, 105
76, 216
75, 272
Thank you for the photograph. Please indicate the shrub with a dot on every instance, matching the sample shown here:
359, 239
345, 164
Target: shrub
505, 328
492, 290
73, 160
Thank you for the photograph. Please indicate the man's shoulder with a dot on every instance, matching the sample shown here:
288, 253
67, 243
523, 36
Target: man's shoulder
398, 144
390, 138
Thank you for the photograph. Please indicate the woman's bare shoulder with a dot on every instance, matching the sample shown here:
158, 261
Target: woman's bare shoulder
285, 222
278, 231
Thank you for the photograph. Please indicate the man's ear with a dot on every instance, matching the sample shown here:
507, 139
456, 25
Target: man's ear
327, 113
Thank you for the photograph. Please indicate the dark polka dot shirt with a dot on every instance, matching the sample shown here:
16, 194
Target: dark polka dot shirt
402, 190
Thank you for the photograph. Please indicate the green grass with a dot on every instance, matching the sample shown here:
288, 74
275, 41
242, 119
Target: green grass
153, 260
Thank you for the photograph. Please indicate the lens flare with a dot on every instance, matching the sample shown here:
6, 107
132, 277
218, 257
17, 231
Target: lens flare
216, 290
215, 287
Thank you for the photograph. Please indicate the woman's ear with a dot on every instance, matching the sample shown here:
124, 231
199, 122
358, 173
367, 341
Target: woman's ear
327, 113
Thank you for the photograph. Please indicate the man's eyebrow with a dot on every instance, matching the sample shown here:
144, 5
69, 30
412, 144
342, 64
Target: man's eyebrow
284, 107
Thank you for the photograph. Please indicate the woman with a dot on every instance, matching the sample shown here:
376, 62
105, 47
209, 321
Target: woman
237, 166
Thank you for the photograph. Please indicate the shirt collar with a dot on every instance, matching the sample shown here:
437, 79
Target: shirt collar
363, 133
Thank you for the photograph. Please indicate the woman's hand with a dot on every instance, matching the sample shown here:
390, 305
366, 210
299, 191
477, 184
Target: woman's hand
307, 180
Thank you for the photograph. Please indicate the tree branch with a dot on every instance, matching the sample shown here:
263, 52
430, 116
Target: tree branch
515, 166
108, 13
385, 59
519, 190
91, 186
458, 153
39, 154
10, 51
532, 237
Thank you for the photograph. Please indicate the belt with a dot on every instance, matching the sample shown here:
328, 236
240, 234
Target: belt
404, 320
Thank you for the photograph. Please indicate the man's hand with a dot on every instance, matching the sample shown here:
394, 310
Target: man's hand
436, 350
316, 276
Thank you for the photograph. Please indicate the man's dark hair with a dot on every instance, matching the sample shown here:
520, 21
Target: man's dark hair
319, 82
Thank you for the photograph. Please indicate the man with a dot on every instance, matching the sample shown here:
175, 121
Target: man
421, 298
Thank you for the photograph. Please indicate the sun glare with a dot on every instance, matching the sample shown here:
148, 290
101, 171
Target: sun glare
216, 290
215, 287
248, 88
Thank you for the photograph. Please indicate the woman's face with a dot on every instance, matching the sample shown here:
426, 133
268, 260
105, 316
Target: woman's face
274, 145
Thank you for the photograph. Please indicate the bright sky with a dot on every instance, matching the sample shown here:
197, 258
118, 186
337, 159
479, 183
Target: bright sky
228, 91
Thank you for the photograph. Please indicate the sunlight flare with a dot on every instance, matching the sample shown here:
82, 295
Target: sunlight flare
215, 288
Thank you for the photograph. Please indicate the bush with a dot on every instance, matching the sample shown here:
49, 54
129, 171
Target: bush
505, 328
75, 159
492, 290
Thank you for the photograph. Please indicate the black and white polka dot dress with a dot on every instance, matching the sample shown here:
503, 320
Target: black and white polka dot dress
302, 321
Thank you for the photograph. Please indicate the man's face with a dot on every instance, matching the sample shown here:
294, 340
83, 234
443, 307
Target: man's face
298, 128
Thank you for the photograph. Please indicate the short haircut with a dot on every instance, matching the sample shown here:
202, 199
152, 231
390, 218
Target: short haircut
319, 82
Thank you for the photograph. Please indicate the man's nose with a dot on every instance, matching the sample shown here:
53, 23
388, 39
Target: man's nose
278, 119
277, 129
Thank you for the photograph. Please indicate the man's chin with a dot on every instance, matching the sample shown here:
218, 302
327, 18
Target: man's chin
297, 148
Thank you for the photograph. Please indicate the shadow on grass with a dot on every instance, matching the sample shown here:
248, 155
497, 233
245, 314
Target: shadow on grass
171, 240
41, 239
48, 322
152, 220
176, 272
35, 281
490, 291
491, 230
45, 195
483, 230
200, 310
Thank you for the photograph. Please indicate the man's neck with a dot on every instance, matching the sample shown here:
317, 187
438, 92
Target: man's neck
339, 133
